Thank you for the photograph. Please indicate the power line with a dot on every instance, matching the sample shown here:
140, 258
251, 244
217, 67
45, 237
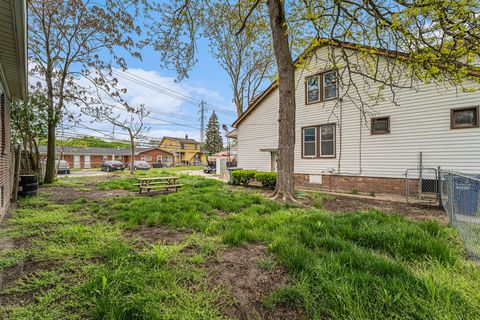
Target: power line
169, 92
185, 96
167, 121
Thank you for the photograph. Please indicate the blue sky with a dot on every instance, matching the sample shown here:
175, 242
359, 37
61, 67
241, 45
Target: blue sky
207, 81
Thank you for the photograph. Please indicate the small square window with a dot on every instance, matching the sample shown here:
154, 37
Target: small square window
313, 89
464, 118
381, 125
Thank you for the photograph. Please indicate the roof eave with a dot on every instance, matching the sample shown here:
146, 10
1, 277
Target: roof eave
19, 87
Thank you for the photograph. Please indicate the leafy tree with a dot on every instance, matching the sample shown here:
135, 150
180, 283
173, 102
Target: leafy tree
68, 41
214, 141
131, 121
93, 142
247, 57
29, 126
388, 45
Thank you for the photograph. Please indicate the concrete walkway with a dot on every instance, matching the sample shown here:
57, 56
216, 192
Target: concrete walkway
200, 173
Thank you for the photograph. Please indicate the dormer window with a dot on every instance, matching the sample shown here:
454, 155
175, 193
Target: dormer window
321, 87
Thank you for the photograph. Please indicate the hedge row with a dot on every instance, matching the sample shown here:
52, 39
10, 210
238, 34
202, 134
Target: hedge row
245, 177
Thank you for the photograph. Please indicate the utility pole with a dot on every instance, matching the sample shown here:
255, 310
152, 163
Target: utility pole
202, 120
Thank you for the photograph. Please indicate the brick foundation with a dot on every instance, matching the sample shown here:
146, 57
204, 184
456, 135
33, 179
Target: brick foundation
300, 178
360, 184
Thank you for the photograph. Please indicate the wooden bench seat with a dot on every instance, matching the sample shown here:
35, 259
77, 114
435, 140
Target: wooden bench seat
153, 183
164, 186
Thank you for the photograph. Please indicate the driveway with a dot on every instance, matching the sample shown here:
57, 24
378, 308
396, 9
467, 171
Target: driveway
84, 173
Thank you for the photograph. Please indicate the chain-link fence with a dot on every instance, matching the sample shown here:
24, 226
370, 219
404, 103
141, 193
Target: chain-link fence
460, 197
421, 185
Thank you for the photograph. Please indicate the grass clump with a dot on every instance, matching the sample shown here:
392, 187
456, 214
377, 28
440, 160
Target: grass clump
11, 257
131, 286
319, 198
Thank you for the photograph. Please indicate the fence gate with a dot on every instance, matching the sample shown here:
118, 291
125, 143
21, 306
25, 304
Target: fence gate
421, 185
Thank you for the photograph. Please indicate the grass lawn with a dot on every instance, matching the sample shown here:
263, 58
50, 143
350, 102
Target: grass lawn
159, 257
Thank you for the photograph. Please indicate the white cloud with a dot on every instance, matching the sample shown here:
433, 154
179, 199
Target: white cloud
151, 88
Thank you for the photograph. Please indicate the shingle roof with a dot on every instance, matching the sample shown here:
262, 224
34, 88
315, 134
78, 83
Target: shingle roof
183, 140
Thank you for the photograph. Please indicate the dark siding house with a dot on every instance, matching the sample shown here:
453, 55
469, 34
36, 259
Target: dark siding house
13, 84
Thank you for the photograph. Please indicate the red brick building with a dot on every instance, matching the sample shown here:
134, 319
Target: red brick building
84, 158
13, 84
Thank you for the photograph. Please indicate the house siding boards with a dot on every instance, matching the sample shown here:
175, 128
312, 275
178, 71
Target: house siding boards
185, 151
420, 123
13, 84
5, 154
257, 132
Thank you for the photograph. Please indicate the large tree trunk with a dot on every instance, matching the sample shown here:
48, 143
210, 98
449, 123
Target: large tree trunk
50, 169
286, 86
51, 118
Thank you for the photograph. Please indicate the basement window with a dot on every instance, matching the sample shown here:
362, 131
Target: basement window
464, 118
380, 125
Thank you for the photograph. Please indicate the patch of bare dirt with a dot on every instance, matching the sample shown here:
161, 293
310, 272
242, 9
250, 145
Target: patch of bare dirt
26, 269
238, 271
144, 235
66, 194
414, 211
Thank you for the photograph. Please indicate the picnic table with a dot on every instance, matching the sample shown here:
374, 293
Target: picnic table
158, 183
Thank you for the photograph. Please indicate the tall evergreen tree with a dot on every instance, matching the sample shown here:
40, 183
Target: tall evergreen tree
214, 142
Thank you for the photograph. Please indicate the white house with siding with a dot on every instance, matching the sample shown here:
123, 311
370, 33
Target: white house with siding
339, 146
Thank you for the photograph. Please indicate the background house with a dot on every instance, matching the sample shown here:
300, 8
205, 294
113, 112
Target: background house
13, 84
340, 147
89, 157
185, 151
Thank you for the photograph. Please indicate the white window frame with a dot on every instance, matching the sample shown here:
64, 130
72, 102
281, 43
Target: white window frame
324, 86
334, 140
159, 158
315, 142
318, 88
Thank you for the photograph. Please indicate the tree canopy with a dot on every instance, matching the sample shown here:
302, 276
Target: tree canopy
68, 42
91, 142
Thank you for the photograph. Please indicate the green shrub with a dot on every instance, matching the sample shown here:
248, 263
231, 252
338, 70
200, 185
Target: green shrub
268, 179
243, 176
